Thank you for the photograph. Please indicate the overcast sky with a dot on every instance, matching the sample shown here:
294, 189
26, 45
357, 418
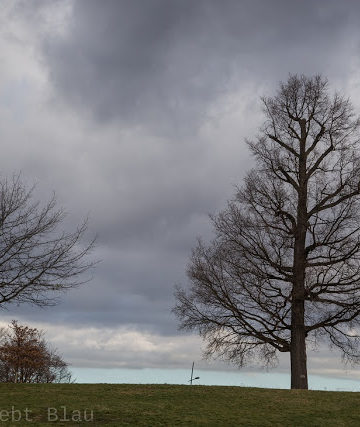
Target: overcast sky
135, 113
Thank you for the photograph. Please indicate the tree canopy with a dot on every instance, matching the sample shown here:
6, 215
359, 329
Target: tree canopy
283, 269
38, 258
25, 357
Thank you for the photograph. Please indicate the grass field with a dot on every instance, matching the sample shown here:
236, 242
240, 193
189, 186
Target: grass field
173, 405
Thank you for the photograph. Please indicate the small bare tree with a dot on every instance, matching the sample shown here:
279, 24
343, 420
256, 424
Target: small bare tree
283, 269
25, 357
35, 258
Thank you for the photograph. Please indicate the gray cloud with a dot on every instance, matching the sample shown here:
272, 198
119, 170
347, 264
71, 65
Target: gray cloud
135, 112
162, 63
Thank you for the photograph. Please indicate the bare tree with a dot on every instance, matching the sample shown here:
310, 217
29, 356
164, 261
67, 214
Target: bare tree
35, 258
283, 269
25, 357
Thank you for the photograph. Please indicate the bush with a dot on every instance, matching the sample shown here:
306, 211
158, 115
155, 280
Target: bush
25, 357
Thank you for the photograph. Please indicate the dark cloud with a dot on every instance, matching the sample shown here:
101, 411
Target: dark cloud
163, 63
150, 103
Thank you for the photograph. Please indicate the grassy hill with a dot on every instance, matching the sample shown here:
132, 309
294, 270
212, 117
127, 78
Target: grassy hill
174, 405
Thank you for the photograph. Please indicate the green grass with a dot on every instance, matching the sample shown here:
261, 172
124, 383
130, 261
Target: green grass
173, 405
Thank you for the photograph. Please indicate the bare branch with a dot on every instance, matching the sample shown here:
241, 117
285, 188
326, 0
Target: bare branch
36, 258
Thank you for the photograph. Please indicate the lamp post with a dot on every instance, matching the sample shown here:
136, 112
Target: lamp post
193, 378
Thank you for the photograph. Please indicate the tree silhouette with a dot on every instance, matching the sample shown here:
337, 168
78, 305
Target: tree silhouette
283, 269
37, 258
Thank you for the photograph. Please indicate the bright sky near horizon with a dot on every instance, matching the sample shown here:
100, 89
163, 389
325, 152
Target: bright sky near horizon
135, 113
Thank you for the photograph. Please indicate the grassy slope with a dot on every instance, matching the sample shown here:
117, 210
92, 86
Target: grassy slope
172, 405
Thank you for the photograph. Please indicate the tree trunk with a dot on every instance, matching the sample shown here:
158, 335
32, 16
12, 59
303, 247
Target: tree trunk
298, 347
298, 332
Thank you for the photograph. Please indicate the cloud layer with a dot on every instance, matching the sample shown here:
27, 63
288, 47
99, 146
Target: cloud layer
135, 113
164, 64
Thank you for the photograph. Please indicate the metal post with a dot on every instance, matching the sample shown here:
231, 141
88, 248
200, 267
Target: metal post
192, 370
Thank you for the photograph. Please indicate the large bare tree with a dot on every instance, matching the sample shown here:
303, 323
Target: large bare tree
37, 258
284, 267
